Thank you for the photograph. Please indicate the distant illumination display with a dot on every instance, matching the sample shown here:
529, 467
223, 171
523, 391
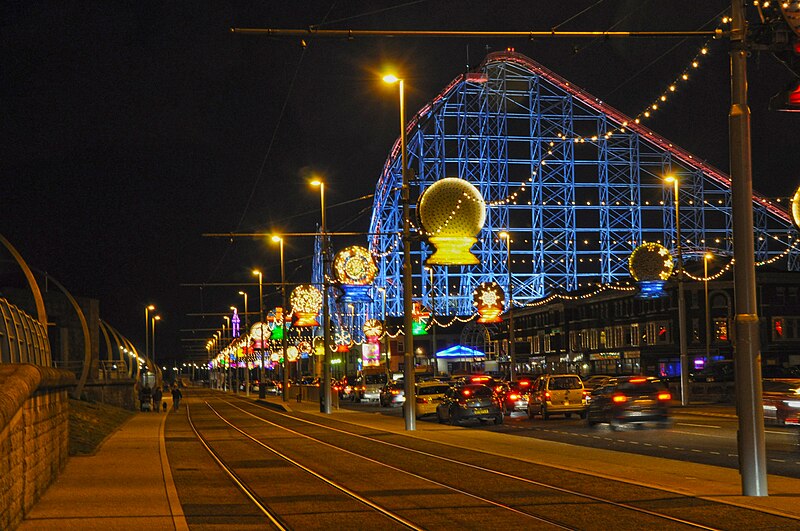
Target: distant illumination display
490, 300
796, 208
370, 355
355, 270
306, 303
650, 261
235, 323
373, 329
452, 213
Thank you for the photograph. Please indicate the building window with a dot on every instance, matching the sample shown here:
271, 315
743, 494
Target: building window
721, 329
635, 337
547, 343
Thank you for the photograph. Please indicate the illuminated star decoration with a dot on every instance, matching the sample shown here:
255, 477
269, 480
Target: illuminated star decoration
490, 300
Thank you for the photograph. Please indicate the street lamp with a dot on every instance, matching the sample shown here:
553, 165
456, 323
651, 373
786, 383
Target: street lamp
226, 377
153, 336
433, 322
409, 411
147, 309
262, 391
325, 407
385, 339
512, 357
279, 240
671, 179
246, 346
706, 258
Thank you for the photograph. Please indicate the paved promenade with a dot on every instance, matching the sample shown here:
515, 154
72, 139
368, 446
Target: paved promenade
128, 483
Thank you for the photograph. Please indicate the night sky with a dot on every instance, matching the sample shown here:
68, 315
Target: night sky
129, 129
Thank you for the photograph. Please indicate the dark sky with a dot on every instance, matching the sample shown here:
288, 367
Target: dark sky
129, 129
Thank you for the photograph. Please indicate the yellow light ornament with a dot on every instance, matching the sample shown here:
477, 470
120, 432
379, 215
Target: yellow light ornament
796, 208
452, 213
306, 303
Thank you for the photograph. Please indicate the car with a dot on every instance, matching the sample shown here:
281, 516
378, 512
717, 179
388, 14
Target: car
370, 386
596, 381
467, 402
716, 371
483, 379
429, 395
514, 397
559, 394
781, 401
630, 400
392, 394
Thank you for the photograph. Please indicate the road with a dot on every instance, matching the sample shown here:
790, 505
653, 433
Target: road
299, 470
700, 434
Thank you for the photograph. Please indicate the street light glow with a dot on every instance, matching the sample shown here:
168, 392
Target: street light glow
276, 238
256, 272
391, 78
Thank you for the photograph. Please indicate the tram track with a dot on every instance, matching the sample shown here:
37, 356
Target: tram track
517, 508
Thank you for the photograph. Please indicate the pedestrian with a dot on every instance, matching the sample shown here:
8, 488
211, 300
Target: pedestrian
157, 395
176, 398
144, 398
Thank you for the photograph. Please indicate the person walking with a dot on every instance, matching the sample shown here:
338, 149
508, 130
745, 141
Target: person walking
176, 398
157, 396
145, 395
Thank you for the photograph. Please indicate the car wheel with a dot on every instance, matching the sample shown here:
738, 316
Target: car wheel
453, 420
591, 423
583, 414
545, 414
439, 417
530, 413
498, 420
567, 415
615, 425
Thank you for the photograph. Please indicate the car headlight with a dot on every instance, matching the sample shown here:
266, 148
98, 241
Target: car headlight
792, 403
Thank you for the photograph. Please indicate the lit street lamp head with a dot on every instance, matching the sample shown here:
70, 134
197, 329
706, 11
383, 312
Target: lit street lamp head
391, 78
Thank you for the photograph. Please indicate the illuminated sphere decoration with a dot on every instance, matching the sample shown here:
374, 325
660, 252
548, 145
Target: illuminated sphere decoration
306, 303
304, 347
355, 270
796, 208
650, 265
452, 213
490, 300
373, 329
650, 261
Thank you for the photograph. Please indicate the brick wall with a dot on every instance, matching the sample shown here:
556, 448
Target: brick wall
34, 436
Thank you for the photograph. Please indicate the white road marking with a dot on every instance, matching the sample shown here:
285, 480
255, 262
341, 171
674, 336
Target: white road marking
698, 425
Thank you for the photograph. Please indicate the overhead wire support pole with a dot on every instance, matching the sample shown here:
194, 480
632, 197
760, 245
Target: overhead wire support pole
747, 348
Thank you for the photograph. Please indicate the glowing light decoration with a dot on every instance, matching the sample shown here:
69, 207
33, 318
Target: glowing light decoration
373, 329
420, 317
355, 270
235, 323
650, 265
304, 347
370, 355
343, 340
260, 333
452, 213
306, 303
490, 300
275, 321
292, 353
796, 208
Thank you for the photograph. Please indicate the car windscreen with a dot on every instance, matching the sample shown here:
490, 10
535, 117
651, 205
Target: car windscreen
433, 390
375, 379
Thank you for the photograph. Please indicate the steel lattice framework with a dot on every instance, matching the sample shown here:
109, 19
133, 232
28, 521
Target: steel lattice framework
575, 200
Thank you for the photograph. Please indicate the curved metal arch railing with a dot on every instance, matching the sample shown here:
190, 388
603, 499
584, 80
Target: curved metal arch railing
23, 339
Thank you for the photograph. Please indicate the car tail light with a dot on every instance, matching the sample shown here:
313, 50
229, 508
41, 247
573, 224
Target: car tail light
466, 392
395, 392
524, 383
422, 400
498, 388
547, 395
619, 398
664, 395
637, 380
513, 396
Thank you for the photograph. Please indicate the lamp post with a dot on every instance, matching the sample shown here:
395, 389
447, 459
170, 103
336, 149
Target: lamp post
706, 258
409, 409
433, 323
147, 309
279, 240
153, 336
246, 347
512, 357
385, 339
262, 391
684, 360
226, 377
234, 373
325, 406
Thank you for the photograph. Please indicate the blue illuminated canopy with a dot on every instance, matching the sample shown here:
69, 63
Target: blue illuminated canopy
460, 351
